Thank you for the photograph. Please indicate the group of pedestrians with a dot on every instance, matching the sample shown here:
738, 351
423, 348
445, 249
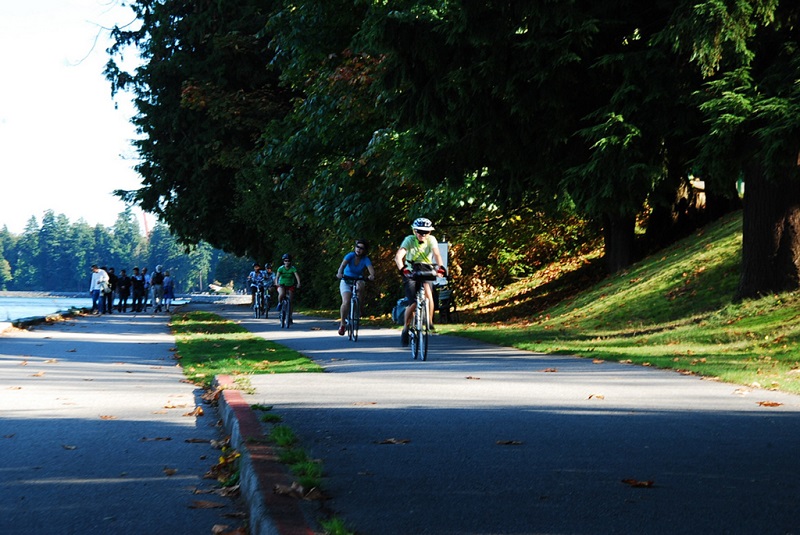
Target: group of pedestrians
142, 288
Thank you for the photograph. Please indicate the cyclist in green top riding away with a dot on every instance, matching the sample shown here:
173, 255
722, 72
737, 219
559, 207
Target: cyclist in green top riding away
421, 246
285, 278
352, 267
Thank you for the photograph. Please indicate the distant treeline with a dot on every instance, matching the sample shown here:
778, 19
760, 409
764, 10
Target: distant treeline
57, 255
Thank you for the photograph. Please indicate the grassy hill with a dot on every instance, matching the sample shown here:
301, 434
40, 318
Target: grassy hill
674, 309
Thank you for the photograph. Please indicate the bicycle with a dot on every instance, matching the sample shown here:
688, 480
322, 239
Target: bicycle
419, 330
354, 318
285, 311
260, 302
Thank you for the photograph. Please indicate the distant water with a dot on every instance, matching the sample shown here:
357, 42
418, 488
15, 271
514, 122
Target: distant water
14, 308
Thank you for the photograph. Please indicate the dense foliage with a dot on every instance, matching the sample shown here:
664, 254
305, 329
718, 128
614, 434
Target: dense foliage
57, 255
301, 125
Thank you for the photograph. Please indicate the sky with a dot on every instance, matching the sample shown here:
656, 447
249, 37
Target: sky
65, 145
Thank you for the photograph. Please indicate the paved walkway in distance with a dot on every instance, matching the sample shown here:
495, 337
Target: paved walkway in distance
488, 440
95, 436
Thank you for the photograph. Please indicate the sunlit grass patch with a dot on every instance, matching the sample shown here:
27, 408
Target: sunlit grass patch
208, 345
673, 310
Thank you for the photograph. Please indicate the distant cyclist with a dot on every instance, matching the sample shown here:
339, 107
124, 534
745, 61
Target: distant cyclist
287, 280
269, 278
420, 246
256, 280
352, 266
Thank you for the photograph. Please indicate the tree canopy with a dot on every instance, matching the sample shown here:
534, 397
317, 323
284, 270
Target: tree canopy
299, 126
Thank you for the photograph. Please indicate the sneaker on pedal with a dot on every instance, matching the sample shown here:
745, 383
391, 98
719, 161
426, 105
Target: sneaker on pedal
341, 330
404, 338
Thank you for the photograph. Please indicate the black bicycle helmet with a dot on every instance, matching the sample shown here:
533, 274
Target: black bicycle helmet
286, 256
422, 223
364, 244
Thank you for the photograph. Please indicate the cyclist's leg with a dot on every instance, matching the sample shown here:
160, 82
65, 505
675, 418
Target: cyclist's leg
429, 296
281, 294
344, 310
411, 291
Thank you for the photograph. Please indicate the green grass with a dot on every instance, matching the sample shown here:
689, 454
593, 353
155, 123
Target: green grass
674, 310
208, 345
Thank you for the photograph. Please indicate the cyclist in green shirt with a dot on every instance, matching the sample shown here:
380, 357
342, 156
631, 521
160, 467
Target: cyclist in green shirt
285, 278
420, 246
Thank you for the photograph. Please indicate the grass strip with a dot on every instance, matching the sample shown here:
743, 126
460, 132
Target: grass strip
675, 309
209, 345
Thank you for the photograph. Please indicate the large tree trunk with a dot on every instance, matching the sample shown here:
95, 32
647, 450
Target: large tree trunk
618, 233
770, 235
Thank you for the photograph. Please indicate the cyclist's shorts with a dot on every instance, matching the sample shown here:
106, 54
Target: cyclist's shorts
410, 286
287, 288
345, 287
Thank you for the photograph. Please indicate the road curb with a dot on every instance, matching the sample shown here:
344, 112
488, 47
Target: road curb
260, 471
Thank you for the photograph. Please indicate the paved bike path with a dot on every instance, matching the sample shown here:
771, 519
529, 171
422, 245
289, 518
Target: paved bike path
484, 439
99, 434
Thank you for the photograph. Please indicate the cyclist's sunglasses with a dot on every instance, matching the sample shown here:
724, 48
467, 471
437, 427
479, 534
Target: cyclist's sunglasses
423, 232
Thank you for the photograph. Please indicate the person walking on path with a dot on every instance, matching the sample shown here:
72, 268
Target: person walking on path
112, 285
137, 287
97, 287
148, 297
169, 290
157, 285
352, 266
123, 291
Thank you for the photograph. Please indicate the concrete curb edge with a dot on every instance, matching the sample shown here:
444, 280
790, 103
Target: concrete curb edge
260, 471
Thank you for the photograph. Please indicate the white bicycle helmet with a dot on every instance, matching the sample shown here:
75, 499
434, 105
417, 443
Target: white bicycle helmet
422, 223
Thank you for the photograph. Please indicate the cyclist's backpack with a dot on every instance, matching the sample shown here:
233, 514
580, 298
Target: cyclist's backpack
399, 311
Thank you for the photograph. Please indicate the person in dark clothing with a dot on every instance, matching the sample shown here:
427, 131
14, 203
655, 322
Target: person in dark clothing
109, 297
123, 291
137, 288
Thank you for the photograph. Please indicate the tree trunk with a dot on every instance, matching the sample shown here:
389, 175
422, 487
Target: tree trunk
770, 235
618, 232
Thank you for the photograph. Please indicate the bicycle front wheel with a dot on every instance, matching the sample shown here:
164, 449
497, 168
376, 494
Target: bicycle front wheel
424, 332
355, 317
284, 313
256, 306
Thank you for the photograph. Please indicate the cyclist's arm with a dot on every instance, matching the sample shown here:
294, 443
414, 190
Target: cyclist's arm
400, 258
297, 276
371, 270
340, 273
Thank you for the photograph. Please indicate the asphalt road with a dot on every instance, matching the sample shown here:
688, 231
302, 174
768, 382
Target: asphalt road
96, 436
488, 440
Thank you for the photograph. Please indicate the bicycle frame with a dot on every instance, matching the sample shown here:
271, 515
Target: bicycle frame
419, 330
354, 318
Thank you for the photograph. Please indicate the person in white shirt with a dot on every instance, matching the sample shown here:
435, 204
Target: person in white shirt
97, 287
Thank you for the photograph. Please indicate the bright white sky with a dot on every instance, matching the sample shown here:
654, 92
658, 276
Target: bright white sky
63, 145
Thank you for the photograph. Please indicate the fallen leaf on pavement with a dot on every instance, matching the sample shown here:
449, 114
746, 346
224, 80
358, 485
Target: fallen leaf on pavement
509, 443
23, 363
295, 490
107, 417
72, 350
70, 448
197, 440
769, 403
51, 361
596, 396
38, 374
639, 484
597, 361
156, 439
394, 441
205, 504
471, 378
14, 388
550, 370
198, 411
170, 471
